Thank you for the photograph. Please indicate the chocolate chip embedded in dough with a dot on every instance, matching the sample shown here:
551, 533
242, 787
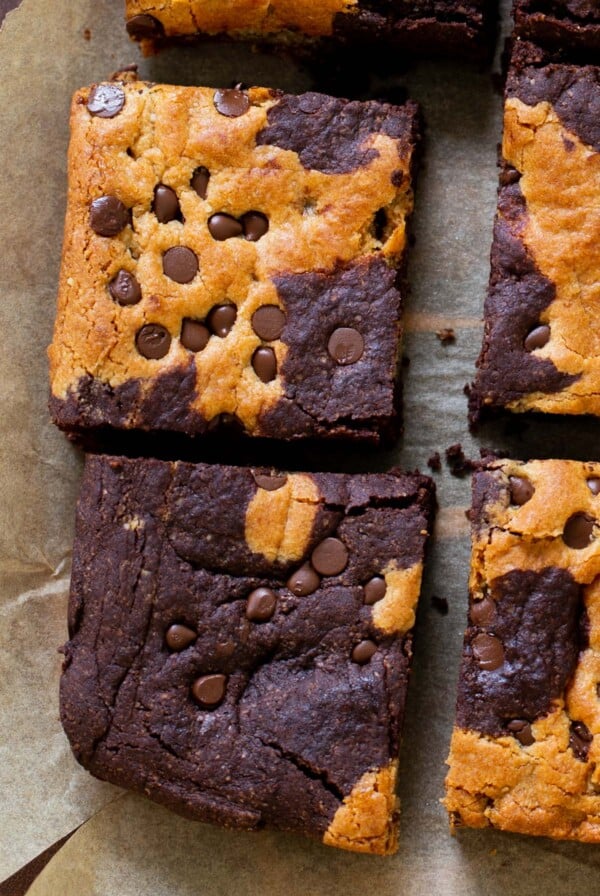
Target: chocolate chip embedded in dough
125, 289
166, 204
594, 485
221, 319
209, 690
261, 605
268, 322
264, 364
144, 27
488, 651
537, 338
108, 216
254, 225
269, 483
580, 739
304, 581
231, 103
180, 264
521, 490
346, 345
199, 181
153, 341
482, 611
330, 557
224, 227
578, 531
179, 637
194, 335
106, 100
363, 652
374, 590
521, 729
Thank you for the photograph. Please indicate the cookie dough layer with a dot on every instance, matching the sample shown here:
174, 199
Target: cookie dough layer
240, 642
525, 751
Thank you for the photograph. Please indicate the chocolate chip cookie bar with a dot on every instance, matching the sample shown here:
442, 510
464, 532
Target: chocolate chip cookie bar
431, 26
232, 256
541, 350
525, 752
240, 641
570, 24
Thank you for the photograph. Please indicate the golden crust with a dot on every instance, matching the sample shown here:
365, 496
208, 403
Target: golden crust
367, 820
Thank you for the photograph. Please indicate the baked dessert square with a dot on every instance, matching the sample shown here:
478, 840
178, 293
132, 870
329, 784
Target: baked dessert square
566, 24
525, 752
428, 27
541, 348
232, 256
240, 641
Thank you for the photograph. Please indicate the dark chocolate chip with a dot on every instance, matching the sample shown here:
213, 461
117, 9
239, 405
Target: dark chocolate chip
166, 204
254, 225
537, 338
144, 27
482, 611
108, 216
231, 103
269, 483
209, 690
180, 264
221, 319
488, 651
363, 651
330, 557
580, 739
199, 181
346, 345
522, 731
179, 637
594, 485
261, 605
264, 364
106, 100
224, 227
304, 581
153, 341
375, 590
268, 322
194, 335
521, 490
578, 531
125, 289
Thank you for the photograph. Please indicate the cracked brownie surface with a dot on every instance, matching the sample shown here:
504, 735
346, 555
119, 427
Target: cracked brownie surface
525, 752
566, 24
240, 641
232, 256
541, 350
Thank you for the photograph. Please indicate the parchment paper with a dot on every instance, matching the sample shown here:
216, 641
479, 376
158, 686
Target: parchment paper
128, 846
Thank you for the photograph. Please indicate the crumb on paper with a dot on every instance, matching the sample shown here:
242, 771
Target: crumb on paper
447, 336
440, 604
460, 465
435, 462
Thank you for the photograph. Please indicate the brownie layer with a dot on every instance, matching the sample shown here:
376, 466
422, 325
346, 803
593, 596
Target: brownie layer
571, 25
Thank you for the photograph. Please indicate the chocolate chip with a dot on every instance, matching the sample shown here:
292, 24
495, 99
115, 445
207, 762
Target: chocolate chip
537, 338
304, 581
264, 364
261, 605
221, 319
180, 264
224, 227
375, 590
482, 611
330, 557
194, 335
268, 322
521, 490
106, 100
363, 651
522, 731
153, 341
580, 739
199, 181
179, 637
346, 345
209, 690
254, 225
231, 103
269, 483
144, 27
594, 485
488, 651
578, 531
125, 289
108, 216
166, 204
